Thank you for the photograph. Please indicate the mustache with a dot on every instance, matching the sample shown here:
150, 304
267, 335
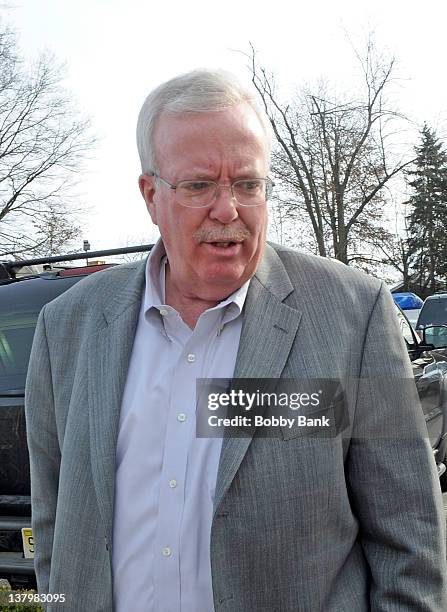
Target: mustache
221, 234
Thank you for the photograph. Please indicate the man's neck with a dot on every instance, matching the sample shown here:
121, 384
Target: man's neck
189, 307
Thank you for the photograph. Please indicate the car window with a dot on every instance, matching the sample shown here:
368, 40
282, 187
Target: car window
16, 337
405, 328
434, 312
20, 304
436, 336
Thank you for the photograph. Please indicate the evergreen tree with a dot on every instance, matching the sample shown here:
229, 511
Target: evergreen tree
427, 222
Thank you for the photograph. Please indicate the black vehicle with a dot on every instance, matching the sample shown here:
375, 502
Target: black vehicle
21, 299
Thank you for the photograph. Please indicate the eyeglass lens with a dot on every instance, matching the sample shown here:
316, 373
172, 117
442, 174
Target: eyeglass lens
248, 192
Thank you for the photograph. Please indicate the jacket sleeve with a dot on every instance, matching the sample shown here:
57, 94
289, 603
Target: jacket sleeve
392, 476
44, 452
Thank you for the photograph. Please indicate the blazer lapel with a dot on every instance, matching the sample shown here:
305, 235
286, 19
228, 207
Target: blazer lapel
268, 331
109, 353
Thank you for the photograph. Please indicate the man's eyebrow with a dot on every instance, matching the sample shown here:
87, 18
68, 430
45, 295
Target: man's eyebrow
211, 176
201, 177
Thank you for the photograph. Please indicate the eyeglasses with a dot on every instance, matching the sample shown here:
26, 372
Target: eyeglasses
200, 194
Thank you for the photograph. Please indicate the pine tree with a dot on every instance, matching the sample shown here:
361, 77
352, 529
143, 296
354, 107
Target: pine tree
427, 222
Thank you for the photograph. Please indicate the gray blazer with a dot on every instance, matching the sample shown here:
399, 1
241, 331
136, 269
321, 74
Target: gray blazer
301, 523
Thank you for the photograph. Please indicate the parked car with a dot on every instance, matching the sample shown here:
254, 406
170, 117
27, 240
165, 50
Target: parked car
21, 299
410, 304
429, 362
433, 311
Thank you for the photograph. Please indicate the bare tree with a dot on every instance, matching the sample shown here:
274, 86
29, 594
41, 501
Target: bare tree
333, 155
54, 233
137, 239
42, 142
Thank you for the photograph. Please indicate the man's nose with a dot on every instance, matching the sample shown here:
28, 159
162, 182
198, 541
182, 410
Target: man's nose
224, 207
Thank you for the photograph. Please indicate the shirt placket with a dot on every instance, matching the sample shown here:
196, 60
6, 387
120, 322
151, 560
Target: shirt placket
180, 428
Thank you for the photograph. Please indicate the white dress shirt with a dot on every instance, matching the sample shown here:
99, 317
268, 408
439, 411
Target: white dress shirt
165, 476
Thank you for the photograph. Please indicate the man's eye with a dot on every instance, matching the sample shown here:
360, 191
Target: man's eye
195, 186
249, 186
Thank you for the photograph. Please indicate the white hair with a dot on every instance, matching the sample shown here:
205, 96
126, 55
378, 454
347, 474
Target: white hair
194, 92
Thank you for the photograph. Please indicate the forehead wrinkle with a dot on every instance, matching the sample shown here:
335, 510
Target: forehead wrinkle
212, 170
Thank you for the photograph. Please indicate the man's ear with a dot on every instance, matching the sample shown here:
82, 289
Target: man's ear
146, 183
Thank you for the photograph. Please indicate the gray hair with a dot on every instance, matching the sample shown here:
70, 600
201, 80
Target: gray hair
194, 92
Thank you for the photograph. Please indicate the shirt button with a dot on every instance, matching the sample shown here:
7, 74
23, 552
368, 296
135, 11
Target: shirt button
181, 417
173, 483
163, 312
191, 358
166, 551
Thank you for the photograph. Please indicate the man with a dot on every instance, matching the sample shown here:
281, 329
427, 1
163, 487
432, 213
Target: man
131, 511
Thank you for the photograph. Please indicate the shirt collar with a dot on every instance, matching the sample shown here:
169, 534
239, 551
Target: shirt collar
154, 294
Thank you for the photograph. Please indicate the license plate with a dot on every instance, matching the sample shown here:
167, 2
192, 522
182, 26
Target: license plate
28, 542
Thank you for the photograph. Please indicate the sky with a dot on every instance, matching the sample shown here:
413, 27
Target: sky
115, 52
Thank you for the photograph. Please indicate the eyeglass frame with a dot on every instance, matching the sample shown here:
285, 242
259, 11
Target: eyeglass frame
269, 184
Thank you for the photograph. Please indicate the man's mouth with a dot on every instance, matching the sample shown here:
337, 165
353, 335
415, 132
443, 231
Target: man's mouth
229, 248
222, 245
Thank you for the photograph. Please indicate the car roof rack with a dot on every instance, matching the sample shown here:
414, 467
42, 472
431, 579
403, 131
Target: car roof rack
8, 269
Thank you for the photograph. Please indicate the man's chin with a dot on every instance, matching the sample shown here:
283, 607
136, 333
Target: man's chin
222, 280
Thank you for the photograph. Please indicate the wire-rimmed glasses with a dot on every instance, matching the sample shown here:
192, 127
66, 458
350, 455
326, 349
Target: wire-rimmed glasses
202, 193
